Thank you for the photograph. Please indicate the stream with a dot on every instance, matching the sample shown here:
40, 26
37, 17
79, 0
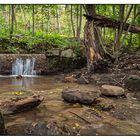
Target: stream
54, 109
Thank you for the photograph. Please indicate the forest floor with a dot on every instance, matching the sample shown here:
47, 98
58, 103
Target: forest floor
113, 115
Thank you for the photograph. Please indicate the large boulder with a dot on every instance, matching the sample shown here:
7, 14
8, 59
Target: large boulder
109, 90
132, 83
77, 96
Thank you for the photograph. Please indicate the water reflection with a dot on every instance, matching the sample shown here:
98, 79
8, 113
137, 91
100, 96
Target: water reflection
23, 84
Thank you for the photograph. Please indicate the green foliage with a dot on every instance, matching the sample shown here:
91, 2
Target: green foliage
46, 27
12, 49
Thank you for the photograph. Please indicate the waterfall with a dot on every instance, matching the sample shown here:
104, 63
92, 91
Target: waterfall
24, 67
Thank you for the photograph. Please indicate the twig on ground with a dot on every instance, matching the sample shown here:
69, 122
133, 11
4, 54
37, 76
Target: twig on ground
80, 117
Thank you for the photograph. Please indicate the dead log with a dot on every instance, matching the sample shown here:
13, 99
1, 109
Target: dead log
103, 21
21, 105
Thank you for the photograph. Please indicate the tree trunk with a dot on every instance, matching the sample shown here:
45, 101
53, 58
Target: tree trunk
9, 17
48, 18
24, 16
113, 9
72, 24
57, 19
120, 30
138, 20
123, 21
33, 26
80, 24
131, 34
77, 19
42, 20
14, 16
89, 38
12, 22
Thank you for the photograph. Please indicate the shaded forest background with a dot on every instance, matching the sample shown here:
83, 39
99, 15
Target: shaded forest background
35, 28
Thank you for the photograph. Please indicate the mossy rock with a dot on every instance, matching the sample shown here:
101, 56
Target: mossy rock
133, 83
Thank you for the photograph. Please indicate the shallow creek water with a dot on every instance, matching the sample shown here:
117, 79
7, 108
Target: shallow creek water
53, 108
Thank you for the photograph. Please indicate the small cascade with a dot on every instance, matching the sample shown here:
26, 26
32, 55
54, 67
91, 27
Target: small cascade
24, 67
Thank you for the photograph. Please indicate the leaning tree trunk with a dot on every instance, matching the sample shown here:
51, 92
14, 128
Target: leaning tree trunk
93, 55
95, 49
91, 49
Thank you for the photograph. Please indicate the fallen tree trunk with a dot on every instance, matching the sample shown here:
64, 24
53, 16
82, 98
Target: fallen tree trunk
102, 21
21, 105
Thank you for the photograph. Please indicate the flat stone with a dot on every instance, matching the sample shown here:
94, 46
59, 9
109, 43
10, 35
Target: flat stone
109, 90
67, 53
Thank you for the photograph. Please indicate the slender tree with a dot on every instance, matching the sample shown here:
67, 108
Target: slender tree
12, 22
80, 23
57, 19
33, 25
72, 22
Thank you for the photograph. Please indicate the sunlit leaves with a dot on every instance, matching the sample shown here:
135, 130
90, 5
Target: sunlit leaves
17, 93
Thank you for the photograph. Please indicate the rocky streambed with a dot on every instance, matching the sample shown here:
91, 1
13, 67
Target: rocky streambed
70, 108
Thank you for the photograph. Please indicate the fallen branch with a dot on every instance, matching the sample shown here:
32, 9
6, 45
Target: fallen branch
116, 81
103, 21
80, 117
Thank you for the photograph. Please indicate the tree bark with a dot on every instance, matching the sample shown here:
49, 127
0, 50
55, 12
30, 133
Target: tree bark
80, 24
48, 18
33, 26
9, 17
89, 38
57, 19
72, 24
120, 30
123, 21
102, 21
131, 34
42, 20
12, 22
24, 16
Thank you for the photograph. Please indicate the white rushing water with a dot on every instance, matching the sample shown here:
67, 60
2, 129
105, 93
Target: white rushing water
24, 67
